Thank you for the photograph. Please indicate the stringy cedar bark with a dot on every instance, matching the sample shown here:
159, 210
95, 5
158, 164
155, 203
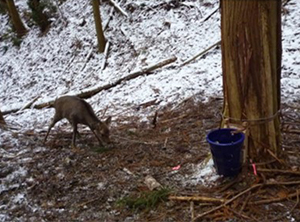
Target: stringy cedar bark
251, 59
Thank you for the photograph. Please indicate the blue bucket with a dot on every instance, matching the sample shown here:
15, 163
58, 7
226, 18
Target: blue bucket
226, 149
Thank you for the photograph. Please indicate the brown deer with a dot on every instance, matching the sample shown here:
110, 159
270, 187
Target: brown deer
78, 111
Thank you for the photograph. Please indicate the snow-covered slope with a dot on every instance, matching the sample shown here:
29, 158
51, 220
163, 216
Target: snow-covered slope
65, 61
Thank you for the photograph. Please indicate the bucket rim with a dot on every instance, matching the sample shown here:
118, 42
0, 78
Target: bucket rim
225, 144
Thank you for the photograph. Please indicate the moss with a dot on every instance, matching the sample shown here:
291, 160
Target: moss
145, 200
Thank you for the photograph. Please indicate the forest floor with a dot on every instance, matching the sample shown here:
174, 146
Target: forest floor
53, 182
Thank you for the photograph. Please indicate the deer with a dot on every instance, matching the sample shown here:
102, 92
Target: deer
78, 111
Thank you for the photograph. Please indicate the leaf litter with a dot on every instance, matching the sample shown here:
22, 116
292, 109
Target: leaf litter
52, 183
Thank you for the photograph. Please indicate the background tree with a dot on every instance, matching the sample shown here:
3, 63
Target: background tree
2, 121
3, 7
98, 24
15, 18
40, 13
251, 60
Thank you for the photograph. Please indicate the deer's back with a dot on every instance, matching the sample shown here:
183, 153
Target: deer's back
75, 109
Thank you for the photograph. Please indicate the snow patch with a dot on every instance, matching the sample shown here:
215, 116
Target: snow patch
205, 174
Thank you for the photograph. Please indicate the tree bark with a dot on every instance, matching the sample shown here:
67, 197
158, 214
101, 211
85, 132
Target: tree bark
15, 18
251, 60
2, 121
98, 24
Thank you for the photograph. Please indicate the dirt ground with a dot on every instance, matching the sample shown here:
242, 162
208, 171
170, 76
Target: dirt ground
86, 184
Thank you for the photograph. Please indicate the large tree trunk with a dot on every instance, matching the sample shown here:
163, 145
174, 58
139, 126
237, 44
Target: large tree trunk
15, 18
98, 24
251, 59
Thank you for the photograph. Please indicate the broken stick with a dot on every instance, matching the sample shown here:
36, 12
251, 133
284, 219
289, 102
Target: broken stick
118, 8
198, 199
200, 54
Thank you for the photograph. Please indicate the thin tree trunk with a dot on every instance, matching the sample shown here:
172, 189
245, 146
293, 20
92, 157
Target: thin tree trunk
15, 18
251, 58
2, 121
38, 14
98, 24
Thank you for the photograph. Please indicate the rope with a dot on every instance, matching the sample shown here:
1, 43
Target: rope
264, 120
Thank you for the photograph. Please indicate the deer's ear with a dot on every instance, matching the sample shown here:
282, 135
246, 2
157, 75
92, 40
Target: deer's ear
108, 120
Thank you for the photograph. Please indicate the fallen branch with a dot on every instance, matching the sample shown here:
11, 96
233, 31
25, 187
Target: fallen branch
87, 59
143, 71
198, 199
278, 199
200, 54
175, 118
92, 92
28, 105
210, 15
69, 63
239, 214
228, 201
275, 157
285, 183
290, 211
108, 20
118, 8
291, 131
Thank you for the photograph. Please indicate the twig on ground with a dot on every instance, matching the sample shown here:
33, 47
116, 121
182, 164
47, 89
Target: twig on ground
275, 157
28, 105
108, 20
166, 141
210, 14
142, 71
192, 210
296, 131
273, 200
87, 59
288, 212
198, 199
245, 203
239, 214
88, 202
285, 183
118, 8
200, 54
69, 63
227, 186
175, 118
